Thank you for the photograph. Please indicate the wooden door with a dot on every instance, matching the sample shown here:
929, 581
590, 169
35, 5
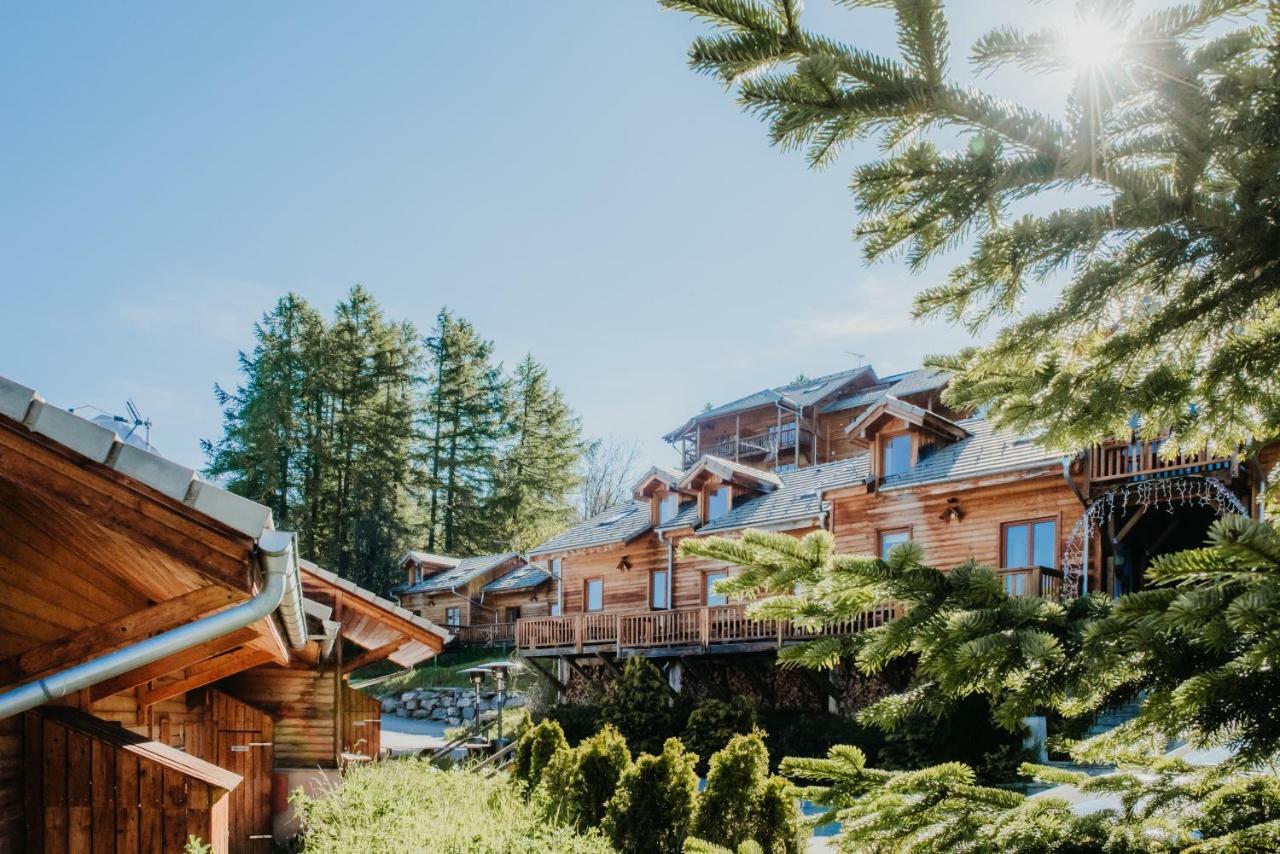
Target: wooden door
249, 754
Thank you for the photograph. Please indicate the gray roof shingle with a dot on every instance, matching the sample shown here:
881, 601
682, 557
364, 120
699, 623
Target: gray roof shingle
986, 451
794, 394
520, 578
619, 525
797, 498
898, 385
467, 570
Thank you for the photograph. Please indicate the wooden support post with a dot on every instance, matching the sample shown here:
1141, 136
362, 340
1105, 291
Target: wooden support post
612, 665
546, 674
337, 681
617, 630
704, 626
577, 631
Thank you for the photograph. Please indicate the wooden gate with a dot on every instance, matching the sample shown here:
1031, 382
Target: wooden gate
361, 723
239, 738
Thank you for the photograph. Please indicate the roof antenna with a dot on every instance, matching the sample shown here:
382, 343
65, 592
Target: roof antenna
862, 358
134, 420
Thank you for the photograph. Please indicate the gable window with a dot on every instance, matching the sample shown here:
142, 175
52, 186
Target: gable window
669, 507
709, 584
718, 503
897, 454
453, 616
889, 539
1030, 543
660, 589
593, 598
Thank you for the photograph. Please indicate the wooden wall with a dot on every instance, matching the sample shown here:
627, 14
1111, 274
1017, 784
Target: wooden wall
11, 818
84, 794
361, 723
301, 704
433, 606
532, 603
857, 520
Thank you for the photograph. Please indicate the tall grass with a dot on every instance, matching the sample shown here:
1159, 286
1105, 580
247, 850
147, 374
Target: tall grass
407, 806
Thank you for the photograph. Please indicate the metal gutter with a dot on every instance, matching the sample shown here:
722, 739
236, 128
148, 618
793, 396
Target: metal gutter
281, 589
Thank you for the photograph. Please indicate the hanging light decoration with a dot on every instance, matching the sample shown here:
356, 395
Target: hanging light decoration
1167, 494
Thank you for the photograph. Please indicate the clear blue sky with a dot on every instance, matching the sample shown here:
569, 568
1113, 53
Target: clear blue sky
552, 171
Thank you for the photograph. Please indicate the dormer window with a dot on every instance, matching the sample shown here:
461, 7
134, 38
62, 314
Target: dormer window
669, 507
719, 503
897, 455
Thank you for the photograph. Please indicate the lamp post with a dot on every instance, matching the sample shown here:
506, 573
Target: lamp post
500, 671
476, 675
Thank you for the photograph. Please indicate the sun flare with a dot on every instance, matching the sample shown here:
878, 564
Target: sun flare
1091, 43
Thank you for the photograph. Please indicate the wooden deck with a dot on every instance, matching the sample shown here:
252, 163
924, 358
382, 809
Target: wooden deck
485, 634
1123, 460
715, 628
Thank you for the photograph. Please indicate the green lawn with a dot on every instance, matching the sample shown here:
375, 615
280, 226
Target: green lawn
445, 670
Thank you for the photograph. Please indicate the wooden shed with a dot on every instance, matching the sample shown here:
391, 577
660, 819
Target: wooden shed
95, 786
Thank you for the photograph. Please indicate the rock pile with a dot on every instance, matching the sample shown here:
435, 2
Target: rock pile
451, 705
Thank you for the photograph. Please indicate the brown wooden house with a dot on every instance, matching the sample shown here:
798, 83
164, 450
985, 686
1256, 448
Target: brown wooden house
479, 599
164, 655
876, 462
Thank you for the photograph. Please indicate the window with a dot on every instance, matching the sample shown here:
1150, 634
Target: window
783, 468
555, 573
889, 539
660, 589
897, 454
453, 616
1031, 543
718, 503
513, 613
712, 597
594, 596
669, 508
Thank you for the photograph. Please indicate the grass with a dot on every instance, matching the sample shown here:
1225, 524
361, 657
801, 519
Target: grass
407, 805
445, 670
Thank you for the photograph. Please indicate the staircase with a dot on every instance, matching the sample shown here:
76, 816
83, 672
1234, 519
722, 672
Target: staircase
1105, 722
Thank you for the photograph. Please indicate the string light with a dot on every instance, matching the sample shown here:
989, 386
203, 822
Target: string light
1167, 495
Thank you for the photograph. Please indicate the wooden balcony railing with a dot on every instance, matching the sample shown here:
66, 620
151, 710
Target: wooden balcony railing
1031, 581
485, 634
706, 627
1120, 460
767, 444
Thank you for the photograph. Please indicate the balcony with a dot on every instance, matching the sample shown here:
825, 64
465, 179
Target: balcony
766, 445
1124, 460
708, 629
1031, 581
485, 634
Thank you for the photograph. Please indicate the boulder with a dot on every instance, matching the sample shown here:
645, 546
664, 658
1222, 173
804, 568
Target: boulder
389, 707
411, 704
469, 713
421, 713
454, 720
439, 713
406, 696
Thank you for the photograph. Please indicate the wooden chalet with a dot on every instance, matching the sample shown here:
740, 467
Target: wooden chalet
165, 658
478, 599
877, 462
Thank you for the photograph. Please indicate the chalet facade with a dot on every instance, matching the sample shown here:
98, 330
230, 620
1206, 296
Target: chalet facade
877, 462
169, 666
478, 599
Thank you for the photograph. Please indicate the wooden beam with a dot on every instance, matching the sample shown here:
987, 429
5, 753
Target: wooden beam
375, 654
95, 640
177, 661
360, 605
612, 665
1128, 526
546, 674
204, 672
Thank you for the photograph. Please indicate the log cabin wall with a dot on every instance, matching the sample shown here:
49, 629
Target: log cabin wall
947, 542
531, 603
435, 607
300, 702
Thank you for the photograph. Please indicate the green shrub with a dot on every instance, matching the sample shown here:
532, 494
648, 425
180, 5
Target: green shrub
796, 733
713, 722
651, 811
640, 706
408, 805
578, 782
967, 734
742, 803
534, 750
578, 720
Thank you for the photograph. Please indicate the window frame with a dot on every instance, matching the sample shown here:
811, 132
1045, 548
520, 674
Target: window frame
453, 609
886, 443
649, 591
882, 532
728, 502
1030, 523
586, 594
674, 497
706, 588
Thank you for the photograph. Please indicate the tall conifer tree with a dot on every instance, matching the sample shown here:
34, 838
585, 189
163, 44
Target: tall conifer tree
538, 469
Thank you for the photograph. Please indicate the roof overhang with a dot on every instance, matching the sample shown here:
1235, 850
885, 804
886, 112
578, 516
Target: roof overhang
862, 429
728, 472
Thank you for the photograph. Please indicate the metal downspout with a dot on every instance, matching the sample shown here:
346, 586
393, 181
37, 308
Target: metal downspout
281, 589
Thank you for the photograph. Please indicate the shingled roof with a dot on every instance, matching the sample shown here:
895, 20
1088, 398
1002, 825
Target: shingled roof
520, 578
468, 569
795, 395
622, 524
898, 385
986, 451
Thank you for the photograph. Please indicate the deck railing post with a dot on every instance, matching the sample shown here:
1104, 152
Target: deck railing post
704, 627
577, 632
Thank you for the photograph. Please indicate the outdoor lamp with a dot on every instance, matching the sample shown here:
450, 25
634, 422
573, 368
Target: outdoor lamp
500, 669
476, 675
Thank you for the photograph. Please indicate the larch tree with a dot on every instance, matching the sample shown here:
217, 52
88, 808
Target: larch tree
1169, 270
538, 468
464, 416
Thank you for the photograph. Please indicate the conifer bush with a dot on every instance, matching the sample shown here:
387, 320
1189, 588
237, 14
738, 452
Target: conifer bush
713, 722
742, 803
578, 782
651, 810
535, 749
640, 706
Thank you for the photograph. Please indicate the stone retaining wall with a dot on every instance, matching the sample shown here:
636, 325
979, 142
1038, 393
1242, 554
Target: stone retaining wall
449, 705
